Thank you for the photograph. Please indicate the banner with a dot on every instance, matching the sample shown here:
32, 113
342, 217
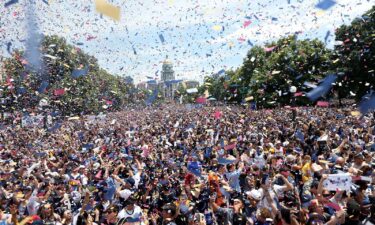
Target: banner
33, 121
338, 181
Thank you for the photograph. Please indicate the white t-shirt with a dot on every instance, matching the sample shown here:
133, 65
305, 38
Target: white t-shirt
279, 194
136, 213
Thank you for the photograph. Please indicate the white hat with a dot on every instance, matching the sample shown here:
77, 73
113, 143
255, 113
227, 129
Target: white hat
96, 166
125, 194
255, 194
290, 158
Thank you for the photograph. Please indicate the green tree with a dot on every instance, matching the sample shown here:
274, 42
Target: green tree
355, 55
288, 62
91, 93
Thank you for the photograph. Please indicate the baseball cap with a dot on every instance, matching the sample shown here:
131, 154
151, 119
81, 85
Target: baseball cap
125, 194
130, 181
170, 208
255, 194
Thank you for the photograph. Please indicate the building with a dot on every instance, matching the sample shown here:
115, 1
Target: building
191, 84
167, 84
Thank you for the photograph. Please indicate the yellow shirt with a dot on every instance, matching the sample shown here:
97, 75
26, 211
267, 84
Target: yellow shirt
306, 172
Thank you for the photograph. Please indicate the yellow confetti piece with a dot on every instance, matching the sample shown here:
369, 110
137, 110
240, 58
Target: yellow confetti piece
170, 2
108, 9
335, 61
249, 98
217, 28
320, 13
275, 72
74, 118
355, 113
66, 30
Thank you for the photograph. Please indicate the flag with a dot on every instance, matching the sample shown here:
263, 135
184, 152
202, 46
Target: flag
230, 147
323, 88
201, 100
59, 92
217, 114
322, 104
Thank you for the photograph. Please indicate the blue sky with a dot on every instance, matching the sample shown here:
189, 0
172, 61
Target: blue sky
192, 40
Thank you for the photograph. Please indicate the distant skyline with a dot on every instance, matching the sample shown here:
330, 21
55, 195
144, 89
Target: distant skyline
200, 37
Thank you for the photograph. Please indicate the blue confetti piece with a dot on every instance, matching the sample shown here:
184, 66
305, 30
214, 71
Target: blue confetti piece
43, 87
88, 146
161, 37
45, 1
250, 43
55, 127
11, 2
221, 72
327, 36
152, 98
367, 104
9, 45
195, 168
325, 4
134, 51
299, 77
80, 73
323, 88
274, 19
224, 161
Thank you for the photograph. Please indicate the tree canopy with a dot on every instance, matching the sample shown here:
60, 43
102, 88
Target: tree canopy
69, 80
268, 72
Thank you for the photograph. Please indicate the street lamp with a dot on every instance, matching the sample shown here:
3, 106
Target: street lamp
293, 90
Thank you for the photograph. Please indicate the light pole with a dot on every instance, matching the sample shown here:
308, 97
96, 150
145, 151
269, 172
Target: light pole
293, 90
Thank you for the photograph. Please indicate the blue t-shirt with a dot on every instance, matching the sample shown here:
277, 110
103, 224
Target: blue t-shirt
110, 190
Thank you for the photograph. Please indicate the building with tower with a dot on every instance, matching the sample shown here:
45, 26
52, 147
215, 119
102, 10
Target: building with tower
168, 85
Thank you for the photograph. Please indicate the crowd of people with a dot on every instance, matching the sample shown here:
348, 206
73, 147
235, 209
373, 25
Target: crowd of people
180, 165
